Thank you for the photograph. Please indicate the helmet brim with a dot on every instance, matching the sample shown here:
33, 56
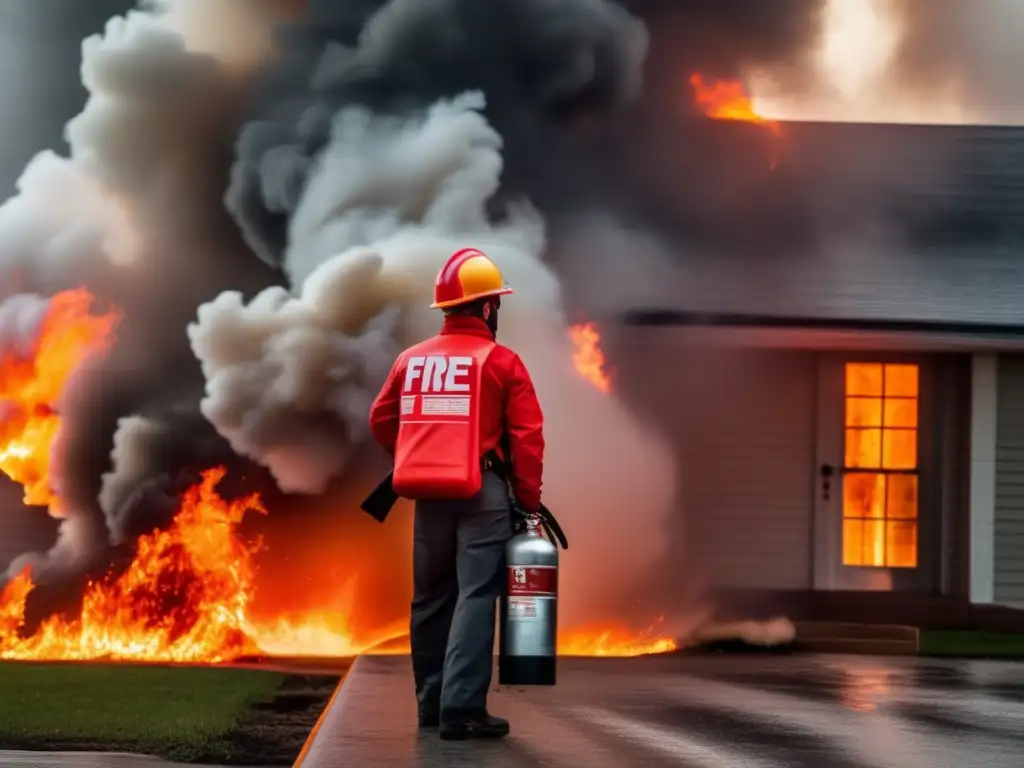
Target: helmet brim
471, 298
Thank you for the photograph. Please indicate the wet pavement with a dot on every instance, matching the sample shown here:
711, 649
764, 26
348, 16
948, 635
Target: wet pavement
722, 711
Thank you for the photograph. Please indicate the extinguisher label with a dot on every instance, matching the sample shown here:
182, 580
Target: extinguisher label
522, 608
532, 581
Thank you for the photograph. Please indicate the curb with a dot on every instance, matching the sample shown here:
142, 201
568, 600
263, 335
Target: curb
328, 708
858, 638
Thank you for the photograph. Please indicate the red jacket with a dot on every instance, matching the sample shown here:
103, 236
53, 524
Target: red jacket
510, 401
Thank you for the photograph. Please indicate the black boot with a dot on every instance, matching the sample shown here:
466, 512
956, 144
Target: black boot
429, 720
459, 725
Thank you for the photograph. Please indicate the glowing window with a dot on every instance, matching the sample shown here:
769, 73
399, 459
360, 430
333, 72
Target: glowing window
880, 492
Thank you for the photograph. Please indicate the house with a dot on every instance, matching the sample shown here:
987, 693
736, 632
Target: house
849, 416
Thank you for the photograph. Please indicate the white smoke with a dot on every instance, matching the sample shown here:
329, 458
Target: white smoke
281, 367
20, 318
75, 216
770, 633
390, 199
131, 463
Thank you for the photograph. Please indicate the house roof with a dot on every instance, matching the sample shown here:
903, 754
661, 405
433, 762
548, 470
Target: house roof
917, 225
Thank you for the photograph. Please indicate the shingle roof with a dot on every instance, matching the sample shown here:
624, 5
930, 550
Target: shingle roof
949, 247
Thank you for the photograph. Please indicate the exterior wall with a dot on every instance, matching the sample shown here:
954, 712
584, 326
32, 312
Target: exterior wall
1008, 517
745, 425
742, 423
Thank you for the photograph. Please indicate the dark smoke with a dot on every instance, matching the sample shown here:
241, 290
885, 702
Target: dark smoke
534, 60
136, 500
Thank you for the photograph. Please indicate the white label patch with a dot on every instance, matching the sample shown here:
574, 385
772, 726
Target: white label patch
439, 405
522, 608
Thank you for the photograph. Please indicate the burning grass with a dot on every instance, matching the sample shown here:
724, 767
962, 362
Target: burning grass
191, 714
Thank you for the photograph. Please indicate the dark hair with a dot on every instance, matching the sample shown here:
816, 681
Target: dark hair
472, 308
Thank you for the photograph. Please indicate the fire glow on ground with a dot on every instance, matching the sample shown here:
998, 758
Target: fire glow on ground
189, 593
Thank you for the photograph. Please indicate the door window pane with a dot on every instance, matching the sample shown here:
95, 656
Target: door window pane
901, 502
899, 412
864, 448
899, 449
864, 379
864, 494
901, 544
864, 412
900, 380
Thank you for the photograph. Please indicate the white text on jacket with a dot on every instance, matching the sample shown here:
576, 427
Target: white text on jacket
437, 373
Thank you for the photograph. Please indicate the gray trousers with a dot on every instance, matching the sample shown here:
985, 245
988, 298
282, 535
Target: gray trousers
458, 567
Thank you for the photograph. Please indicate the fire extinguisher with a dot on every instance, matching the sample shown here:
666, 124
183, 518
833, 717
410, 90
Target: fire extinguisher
529, 609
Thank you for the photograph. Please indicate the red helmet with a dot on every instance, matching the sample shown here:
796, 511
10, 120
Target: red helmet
468, 275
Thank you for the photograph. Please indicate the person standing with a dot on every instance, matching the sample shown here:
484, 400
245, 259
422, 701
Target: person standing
449, 404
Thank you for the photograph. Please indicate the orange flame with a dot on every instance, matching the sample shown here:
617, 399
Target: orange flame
184, 597
616, 642
587, 358
189, 593
728, 100
31, 386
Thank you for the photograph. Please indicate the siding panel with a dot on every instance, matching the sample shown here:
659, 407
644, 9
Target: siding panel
743, 426
1009, 511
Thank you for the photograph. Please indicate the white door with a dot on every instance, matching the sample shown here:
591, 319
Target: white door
872, 506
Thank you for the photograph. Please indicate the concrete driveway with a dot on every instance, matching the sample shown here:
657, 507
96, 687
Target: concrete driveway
706, 712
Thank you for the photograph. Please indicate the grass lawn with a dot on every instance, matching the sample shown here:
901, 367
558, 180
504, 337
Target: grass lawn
235, 716
943, 642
